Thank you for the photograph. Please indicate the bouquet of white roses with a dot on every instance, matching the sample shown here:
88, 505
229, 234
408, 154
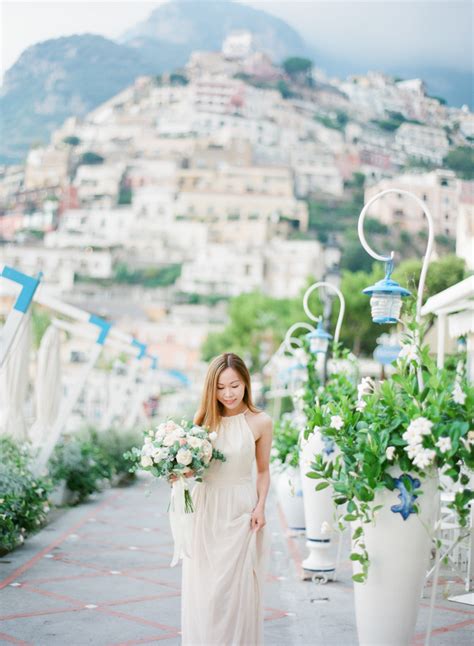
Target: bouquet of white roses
173, 452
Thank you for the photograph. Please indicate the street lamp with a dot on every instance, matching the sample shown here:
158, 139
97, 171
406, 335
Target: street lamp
385, 295
319, 339
386, 298
382, 304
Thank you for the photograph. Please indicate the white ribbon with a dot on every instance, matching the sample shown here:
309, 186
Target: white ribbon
180, 521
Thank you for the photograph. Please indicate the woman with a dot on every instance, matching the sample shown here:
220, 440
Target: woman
223, 579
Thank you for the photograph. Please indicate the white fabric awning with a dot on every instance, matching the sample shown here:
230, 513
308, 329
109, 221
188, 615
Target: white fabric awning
461, 323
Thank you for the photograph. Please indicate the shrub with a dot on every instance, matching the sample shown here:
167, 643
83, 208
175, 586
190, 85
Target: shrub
23, 497
81, 462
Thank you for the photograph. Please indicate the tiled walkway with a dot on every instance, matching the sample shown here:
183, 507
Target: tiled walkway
99, 574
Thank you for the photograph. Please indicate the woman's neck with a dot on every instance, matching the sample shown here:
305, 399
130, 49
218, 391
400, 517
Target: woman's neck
230, 413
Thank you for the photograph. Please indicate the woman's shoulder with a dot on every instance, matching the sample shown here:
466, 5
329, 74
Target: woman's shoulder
260, 419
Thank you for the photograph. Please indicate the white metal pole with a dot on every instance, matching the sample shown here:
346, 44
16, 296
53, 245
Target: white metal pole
68, 404
342, 305
426, 258
10, 329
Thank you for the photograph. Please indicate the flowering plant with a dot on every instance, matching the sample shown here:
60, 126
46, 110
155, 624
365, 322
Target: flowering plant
285, 450
177, 450
420, 420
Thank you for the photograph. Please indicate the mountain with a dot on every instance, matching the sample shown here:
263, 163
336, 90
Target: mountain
177, 28
59, 78
74, 74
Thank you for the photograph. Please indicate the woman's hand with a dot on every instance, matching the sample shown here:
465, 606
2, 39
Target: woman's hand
189, 474
257, 520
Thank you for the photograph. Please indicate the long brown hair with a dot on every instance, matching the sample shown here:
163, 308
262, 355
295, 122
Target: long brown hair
210, 409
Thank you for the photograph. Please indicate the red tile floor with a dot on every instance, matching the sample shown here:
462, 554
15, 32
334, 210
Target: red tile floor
99, 574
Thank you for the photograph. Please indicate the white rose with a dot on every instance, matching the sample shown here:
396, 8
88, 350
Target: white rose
184, 456
169, 439
194, 442
146, 461
213, 436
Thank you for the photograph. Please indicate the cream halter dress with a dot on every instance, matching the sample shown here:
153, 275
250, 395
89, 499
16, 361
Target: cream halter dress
222, 583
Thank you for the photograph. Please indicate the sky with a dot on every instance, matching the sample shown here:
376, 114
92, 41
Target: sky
432, 32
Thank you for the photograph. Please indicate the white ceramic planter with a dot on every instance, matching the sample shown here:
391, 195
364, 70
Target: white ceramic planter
319, 509
387, 604
290, 497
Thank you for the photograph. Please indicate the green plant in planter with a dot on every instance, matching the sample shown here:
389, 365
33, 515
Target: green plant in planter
285, 450
116, 445
419, 427
23, 498
82, 463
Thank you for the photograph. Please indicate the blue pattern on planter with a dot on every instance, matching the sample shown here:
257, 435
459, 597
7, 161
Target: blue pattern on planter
407, 498
328, 446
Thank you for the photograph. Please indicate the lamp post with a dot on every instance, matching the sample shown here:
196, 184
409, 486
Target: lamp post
319, 340
389, 259
386, 295
298, 368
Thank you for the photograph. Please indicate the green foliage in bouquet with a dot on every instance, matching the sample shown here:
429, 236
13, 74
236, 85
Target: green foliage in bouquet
23, 497
82, 463
417, 425
176, 450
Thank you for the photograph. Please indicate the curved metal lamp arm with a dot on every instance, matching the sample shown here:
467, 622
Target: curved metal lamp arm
289, 338
429, 246
342, 305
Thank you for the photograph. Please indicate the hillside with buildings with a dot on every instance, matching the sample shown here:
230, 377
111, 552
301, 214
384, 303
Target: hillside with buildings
229, 175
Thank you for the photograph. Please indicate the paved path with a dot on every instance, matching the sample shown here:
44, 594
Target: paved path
99, 574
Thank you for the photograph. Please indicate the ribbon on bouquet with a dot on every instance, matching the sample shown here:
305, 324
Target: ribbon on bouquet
180, 521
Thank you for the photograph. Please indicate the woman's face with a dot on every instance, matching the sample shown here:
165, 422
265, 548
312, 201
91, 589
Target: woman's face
230, 389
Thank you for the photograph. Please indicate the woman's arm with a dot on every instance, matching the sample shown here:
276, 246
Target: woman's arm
262, 455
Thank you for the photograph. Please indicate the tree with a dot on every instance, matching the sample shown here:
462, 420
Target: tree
298, 69
72, 140
253, 319
442, 273
297, 65
90, 158
461, 160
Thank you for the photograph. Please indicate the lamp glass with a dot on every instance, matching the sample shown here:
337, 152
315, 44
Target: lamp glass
385, 307
318, 345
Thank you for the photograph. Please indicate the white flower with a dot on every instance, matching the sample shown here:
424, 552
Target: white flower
417, 427
470, 437
336, 422
213, 436
390, 452
424, 458
413, 450
170, 426
170, 439
161, 454
326, 528
273, 453
444, 444
299, 394
148, 440
148, 449
194, 442
361, 404
184, 456
409, 352
459, 396
365, 387
146, 461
